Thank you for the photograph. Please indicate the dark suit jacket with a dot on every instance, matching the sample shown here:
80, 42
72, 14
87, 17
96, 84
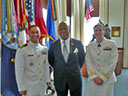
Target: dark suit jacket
70, 72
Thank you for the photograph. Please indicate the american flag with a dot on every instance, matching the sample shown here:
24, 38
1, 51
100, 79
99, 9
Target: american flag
89, 10
30, 17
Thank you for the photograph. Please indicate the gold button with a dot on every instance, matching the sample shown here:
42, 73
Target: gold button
40, 79
31, 63
38, 55
98, 59
98, 64
40, 71
98, 54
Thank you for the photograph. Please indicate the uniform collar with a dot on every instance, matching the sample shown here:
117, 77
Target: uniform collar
33, 44
101, 43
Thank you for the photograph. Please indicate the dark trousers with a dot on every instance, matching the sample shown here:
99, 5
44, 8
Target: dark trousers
73, 92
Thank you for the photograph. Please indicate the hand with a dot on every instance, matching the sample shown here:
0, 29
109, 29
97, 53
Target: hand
86, 74
23, 92
98, 81
48, 84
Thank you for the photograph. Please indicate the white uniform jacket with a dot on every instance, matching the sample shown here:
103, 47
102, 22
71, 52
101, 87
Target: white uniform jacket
32, 68
101, 61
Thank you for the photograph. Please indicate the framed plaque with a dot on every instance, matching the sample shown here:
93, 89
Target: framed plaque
115, 32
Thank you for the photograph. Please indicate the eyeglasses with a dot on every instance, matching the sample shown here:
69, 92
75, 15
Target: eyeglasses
65, 29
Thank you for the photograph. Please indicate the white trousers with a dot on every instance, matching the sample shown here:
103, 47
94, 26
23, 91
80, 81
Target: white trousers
41, 94
106, 89
36, 95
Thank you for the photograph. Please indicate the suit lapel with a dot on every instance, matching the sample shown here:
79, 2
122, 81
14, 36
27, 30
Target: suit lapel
58, 47
71, 48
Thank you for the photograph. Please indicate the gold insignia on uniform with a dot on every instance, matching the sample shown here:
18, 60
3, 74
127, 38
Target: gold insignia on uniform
23, 46
98, 54
44, 52
31, 64
107, 48
40, 71
105, 75
38, 55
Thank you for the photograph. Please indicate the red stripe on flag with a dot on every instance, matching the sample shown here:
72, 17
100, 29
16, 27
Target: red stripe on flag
89, 10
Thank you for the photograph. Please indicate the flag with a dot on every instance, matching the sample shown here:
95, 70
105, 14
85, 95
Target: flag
8, 81
21, 20
53, 9
30, 17
8, 48
29, 12
3, 15
10, 33
39, 21
20, 12
50, 25
89, 10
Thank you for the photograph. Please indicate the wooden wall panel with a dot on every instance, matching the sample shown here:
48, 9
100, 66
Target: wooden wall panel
95, 4
69, 8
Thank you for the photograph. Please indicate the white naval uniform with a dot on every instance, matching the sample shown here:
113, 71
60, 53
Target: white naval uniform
101, 61
32, 69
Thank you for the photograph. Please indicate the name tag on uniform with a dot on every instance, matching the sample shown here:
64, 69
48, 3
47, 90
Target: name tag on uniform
107, 48
31, 55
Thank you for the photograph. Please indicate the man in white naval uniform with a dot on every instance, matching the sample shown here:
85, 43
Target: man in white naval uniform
31, 66
101, 59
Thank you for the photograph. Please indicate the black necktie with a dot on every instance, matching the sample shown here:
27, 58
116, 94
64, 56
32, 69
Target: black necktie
98, 45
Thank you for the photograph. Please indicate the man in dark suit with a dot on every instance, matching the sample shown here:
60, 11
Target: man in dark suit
67, 64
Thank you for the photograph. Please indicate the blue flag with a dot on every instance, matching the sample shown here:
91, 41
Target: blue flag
50, 25
8, 82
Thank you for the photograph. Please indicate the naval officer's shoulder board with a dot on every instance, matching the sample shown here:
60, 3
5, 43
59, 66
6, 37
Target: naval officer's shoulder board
23, 45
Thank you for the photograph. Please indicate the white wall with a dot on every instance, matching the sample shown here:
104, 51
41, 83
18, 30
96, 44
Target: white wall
116, 18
